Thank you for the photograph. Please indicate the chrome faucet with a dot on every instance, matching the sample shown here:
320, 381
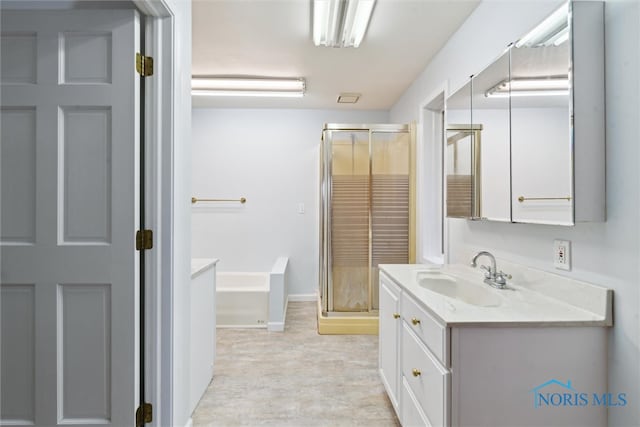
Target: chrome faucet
492, 277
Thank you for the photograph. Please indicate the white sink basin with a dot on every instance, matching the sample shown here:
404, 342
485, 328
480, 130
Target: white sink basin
458, 289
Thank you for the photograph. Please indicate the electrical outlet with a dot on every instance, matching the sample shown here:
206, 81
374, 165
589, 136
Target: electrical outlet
562, 254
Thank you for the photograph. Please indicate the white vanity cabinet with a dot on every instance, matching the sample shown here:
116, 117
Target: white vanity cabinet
413, 351
413, 358
424, 364
389, 334
478, 372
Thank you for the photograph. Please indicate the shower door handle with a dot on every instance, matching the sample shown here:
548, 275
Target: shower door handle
396, 316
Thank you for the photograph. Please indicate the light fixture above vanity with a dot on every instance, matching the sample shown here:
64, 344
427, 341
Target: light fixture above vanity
534, 86
553, 31
247, 86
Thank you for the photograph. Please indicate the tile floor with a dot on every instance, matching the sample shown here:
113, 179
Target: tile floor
297, 378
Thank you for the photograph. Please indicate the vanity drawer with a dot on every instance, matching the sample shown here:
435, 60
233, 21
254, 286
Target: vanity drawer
432, 333
427, 378
412, 415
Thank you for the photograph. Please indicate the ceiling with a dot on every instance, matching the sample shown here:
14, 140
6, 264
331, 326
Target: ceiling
273, 38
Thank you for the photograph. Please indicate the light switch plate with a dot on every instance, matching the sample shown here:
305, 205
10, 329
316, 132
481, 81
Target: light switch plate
562, 254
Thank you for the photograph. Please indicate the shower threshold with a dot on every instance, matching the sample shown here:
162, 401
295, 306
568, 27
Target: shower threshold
350, 313
347, 323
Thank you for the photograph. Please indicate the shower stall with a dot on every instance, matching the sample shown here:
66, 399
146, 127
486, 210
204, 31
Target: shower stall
366, 212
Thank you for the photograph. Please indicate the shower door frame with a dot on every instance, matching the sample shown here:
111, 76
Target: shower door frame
326, 194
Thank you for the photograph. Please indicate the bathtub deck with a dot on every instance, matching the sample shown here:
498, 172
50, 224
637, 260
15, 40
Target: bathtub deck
296, 378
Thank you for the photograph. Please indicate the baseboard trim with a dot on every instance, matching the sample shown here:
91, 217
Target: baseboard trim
263, 326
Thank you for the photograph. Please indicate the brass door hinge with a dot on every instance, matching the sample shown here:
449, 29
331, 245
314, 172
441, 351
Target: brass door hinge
144, 414
144, 239
144, 65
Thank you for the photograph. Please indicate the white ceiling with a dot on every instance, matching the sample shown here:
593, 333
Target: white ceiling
273, 38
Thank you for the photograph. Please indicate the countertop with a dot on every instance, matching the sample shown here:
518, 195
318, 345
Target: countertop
560, 302
200, 265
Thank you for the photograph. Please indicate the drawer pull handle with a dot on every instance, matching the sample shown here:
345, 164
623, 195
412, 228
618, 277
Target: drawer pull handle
396, 316
416, 372
415, 321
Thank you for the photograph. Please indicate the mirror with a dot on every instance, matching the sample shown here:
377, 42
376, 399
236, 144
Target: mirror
461, 157
491, 114
525, 140
541, 134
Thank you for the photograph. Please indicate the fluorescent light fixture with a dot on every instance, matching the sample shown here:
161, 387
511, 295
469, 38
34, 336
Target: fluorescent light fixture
535, 86
356, 21
552, 31
341, 23
558, 38
247, 93
247, 86
539, 84
528, 93
325, 22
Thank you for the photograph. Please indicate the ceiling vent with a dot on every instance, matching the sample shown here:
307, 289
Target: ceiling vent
348, 98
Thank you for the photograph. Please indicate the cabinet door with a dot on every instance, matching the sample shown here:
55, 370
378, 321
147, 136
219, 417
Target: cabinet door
491, 119
541, 131
412, 415
389, 338
462, 157
557, 118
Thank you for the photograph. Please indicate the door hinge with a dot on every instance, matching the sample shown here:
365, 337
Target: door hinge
144, 65
144, 239
144, 414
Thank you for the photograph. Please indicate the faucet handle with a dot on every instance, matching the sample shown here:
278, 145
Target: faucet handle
502, 277
487, 271
505, 275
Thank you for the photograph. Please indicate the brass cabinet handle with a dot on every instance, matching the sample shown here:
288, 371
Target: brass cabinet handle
415, 321
396, 316
416, 372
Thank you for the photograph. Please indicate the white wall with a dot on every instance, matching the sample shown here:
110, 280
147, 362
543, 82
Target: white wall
604, 253
271, 157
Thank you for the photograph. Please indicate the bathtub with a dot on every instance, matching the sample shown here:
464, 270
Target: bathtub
253, 300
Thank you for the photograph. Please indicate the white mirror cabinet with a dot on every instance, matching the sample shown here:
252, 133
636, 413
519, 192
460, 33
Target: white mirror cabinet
526, 136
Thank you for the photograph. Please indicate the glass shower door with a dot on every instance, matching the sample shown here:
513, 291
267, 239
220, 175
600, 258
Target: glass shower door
390, 177
366, 205
350, 222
